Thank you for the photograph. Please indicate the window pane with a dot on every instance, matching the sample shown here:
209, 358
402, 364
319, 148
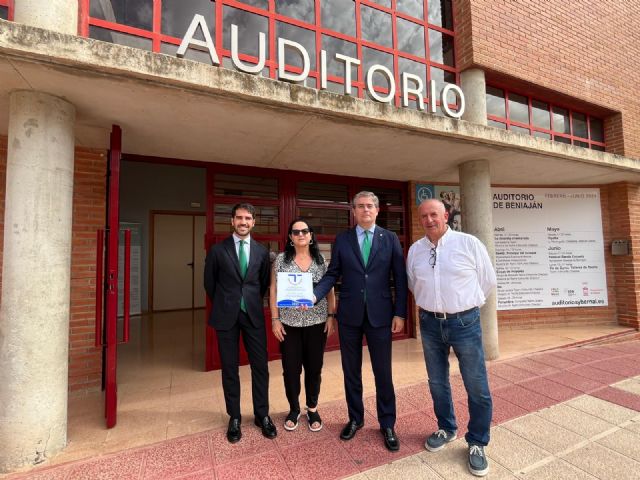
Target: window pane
419, 69
442, 77
376, 26
191, 53
440, 13
597, 129
411, 7
339, 15
177, 15
441, 48
389, 197
267, 219
300, 9
120, 38
410, 37
542, 135
4, 13
264, 4
581, 144
518, 108
323, 192
541, 115
523, 131
391, 221
559, 139
384, 3
326, 221
492, 123
371, 56
495, 102
244, 186
334, 45
135, 13
600, 148
306, 38
249, 24
561, 120
580, 125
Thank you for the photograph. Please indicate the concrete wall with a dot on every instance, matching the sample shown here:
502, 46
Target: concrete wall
582, 50
145, 187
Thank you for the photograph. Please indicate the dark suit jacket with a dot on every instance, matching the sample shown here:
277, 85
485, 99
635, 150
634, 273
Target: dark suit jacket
225, 286
386, 257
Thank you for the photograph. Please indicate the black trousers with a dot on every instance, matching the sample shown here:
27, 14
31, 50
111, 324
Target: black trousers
303, 347
379, 343
255, 343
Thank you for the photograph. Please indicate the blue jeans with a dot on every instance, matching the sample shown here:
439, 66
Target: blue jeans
464, 335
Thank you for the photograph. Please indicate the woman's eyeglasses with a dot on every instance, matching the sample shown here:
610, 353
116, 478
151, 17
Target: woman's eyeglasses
432, 258
297, 232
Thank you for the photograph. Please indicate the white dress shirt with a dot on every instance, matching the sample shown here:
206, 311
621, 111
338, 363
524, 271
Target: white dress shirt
247, 245
461, 278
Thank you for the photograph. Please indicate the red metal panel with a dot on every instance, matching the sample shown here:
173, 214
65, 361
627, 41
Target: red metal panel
111, 311
99, 286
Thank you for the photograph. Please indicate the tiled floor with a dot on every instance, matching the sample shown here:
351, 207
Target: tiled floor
165, 400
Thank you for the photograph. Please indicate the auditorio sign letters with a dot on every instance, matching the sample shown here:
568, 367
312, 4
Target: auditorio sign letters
410, 84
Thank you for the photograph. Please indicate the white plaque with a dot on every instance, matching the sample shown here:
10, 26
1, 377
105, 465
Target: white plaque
294, 289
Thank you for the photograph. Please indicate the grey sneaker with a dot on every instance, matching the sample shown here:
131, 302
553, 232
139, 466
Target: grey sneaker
438, 439
478, 464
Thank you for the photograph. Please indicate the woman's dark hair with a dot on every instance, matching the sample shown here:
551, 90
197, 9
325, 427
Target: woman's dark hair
290, 250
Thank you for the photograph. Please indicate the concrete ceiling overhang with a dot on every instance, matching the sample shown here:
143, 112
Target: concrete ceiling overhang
169, 107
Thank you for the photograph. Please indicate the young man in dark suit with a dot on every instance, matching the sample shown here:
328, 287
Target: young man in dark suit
365, 257
236, 277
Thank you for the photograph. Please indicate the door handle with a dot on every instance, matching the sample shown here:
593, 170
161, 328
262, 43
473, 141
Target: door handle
190, 264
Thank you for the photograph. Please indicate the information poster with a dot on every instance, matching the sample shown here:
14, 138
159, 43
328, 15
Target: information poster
549, 248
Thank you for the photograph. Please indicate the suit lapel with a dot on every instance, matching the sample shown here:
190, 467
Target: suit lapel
230, 248
353, 240
253, 256
378, 237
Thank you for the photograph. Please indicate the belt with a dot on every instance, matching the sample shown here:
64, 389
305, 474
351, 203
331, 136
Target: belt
444, 315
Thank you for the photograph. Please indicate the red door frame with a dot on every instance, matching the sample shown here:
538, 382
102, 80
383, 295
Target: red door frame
111, 279
288, 208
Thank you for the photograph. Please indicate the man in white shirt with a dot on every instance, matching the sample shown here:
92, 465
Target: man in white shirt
450, 275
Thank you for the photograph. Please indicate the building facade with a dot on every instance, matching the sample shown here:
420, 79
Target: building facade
522, 116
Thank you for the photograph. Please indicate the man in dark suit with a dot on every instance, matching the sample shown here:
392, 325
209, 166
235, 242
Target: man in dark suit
364, 257
236, 277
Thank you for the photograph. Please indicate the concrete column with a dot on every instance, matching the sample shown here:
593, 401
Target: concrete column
57, 15
477, 219
36, 279
474, 87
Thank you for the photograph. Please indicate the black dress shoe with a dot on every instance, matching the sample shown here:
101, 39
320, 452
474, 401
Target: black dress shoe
350, 429
390, 439
234, 434
267, 426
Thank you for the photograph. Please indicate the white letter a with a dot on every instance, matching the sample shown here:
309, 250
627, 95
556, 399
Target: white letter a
188, 40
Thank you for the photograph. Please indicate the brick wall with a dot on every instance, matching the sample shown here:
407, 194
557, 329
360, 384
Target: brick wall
545, 317
89, 208
566, 52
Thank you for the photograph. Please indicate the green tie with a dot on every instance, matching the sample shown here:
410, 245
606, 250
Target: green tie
242, 259
366, 247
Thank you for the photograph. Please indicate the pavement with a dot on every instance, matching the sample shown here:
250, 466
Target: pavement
568, 413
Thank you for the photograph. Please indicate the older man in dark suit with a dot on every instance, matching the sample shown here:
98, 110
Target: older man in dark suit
236, 277
365, 257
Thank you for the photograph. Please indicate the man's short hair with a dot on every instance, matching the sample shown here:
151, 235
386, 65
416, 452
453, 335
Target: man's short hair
243, 206
364, 193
